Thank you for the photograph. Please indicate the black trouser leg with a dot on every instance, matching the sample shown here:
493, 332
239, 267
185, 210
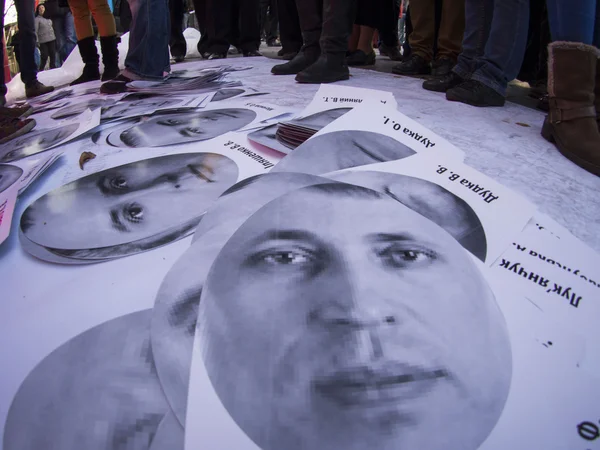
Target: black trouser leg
264, 9
219, 25
272, 29
249, 29
52, 53
43, 55
200, 9
176, 40
388, 23
338, 18
310, 14
289, 26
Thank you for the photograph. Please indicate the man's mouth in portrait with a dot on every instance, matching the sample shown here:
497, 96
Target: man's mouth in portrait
380, 384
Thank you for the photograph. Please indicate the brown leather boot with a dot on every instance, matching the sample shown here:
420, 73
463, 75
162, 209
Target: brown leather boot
571, 123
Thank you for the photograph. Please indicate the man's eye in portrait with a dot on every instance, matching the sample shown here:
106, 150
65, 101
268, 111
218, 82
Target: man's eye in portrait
285, 257
402, 257
130, 213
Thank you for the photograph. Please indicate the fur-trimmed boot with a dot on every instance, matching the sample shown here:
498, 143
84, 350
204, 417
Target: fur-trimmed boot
571, 123
89, 56
110, 57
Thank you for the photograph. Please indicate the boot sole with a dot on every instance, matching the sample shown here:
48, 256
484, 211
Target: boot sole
456, 98
26, 129
331, 80
548, 134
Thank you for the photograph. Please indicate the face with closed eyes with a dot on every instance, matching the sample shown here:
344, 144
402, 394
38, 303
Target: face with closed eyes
33, 143
341, 150
128, 203
353, 322
180, 128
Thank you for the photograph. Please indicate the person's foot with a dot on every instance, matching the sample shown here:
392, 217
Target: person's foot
35, 89
475, 93
288, 56
117, 85
442, 66
15, 111
178, 58
251, 53
360, 58
301, 61
219, 55
391, 52
11, 128
204, 55
442, 84
329, 68
413, 65
273, 43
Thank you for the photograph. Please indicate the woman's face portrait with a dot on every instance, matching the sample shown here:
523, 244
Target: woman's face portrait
128, 203
329, 320
180, 128
8, 176
36, 142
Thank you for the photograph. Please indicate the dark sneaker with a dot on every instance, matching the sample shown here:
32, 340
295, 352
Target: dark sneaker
391, 52
35, 89
117, 85
442, 66
413, 65
475, 93
327, 69
442, 84
217, 56
360, 58
301, 61
251, 53
11, 128
15, 111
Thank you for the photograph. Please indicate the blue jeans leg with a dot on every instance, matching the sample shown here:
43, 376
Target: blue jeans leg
57, 25
505, 47
478, 21
572, 20
148, 54
70, 36
25, 20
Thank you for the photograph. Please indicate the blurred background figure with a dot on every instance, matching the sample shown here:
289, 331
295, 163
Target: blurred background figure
177, 44
269, 22
290, 34
64, 28
45, 36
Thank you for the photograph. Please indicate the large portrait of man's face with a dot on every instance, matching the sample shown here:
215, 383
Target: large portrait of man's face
172, 128
8, 176
130, 208
353, 323
36, 142
341, 150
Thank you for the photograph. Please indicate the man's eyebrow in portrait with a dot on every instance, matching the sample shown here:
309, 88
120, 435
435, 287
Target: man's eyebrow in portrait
184, 311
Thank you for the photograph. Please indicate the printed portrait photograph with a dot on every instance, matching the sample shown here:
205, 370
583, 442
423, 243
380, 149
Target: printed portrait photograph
97, 391
268, 137
137, 107
73, 110
355, 322
341, 150
126, 209
35, 142
180, 127
318, 120
8, 176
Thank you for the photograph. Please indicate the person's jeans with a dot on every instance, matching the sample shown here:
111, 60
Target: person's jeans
148, 54
26, 23
574, 21
494, 41
66, 40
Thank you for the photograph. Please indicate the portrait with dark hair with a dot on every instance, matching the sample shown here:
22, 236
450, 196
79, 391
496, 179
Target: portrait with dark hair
75, 109
35, 142
8, 176
126, 209
354, 322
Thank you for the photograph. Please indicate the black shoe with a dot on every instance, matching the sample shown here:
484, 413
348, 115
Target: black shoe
391, 52
442, 84
442, 66
90, 58
117, 85
35, 89
273, 43
205, 55
178, 58
360, 58
251, 53
413, 65
301, 61
212, 56
475, 93
329, 68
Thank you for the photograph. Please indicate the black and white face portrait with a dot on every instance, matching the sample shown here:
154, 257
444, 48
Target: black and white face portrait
268, 137
74, 110
338, 318
225, 94
130, 208
97, 391
36, 142
341, 150
8, 176
138, 107
319, 120
163, 129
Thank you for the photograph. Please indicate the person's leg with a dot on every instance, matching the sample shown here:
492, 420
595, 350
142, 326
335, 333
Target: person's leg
82, 19
148, 54
105, 21
43, 55
177, 40
2, 81
249, 40
572, 20
263, 14
422, 38
388, 23
289, 26
273, 22
200, 9
26, 23
58, 26
478, 22
452, 28
52, 53
354, 38
70, 35
219, 26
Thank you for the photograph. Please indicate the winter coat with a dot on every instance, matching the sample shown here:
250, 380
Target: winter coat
44, 30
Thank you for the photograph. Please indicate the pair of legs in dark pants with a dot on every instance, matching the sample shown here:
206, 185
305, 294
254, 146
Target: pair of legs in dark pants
48, 50
290, 33
234, 22
269, 22
177, 42
201, 11
388, 22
